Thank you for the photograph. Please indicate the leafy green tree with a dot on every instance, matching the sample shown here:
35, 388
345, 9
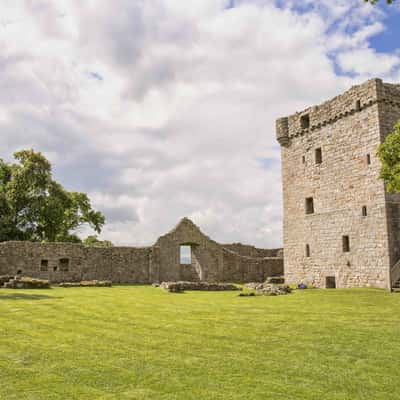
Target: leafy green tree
389, 153
93, 241
376, 1
35, 207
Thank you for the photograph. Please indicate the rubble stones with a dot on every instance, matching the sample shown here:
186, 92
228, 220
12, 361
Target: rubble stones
181, 286
93, 283
25, 282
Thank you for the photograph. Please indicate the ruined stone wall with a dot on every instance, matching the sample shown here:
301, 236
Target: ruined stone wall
347, 130
119, 264
251, 251
239, 268
161, 262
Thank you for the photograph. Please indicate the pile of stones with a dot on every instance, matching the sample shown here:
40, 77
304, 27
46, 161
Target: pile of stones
178, 287
273, 290
23, 282
269, 288
94, 283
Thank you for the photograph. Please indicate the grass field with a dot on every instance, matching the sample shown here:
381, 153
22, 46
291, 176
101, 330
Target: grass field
138, 342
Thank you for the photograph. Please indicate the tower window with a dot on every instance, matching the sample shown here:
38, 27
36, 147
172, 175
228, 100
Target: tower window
318, 156
64, 264
364, 211
346, 244
44, 265
308, 252
358, 105
305, 121
368, 159
185, 255
303, 159
309, 205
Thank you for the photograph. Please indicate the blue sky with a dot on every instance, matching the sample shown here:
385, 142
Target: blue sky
166, 108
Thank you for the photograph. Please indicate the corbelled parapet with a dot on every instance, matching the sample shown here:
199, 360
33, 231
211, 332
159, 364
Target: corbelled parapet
354, 100
282, 131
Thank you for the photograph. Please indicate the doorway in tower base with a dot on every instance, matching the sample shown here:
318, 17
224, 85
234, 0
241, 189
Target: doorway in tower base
330, 282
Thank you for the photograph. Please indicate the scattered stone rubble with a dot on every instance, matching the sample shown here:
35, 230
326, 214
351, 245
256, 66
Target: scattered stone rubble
271, 287
178, 287
23, 282
94, 283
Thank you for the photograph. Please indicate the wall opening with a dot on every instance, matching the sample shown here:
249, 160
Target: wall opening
19, 272
305, 121
185, 254
330, 282
368, 159
346, 244
358, 105
308, 252
364, 211
64, 264
318, 156
303, 159
309, 205
44, 265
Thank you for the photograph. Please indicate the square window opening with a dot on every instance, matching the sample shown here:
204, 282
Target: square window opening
185, 254
309, 205
44, 265
318, 156
346, 244
305, 121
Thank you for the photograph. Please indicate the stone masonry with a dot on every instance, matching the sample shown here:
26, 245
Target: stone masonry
209, 261
341, 227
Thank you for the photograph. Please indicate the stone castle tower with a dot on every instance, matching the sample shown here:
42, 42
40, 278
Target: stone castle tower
341, 228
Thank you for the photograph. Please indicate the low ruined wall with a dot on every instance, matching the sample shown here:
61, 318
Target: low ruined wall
60, 262
252, 251
67, 262
237, 268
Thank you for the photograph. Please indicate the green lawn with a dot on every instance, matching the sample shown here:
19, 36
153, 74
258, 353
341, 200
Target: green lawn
139, 342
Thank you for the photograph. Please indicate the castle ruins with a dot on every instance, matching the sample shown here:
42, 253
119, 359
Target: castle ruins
183, 254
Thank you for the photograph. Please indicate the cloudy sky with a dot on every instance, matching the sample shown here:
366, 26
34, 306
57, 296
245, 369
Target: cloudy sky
160, 109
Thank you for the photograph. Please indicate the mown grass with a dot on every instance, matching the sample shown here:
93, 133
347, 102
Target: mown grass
138, 342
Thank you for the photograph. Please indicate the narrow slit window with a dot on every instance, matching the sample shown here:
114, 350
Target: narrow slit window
303, 159
308, 252
305, 121
364, 211
318, 156
358, 105
185, 255
44, 265
64, 264
346, 244
368, 159
309, 205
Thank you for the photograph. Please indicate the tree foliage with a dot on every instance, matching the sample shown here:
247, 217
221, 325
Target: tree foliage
389, 153
376, 1
35, 207
93, 241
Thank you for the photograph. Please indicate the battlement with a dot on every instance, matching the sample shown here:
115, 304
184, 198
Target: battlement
352, 101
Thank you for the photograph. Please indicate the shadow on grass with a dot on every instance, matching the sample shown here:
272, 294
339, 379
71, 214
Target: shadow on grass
25, 296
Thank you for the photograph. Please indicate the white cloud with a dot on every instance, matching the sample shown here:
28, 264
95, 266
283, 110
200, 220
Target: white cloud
181, 122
